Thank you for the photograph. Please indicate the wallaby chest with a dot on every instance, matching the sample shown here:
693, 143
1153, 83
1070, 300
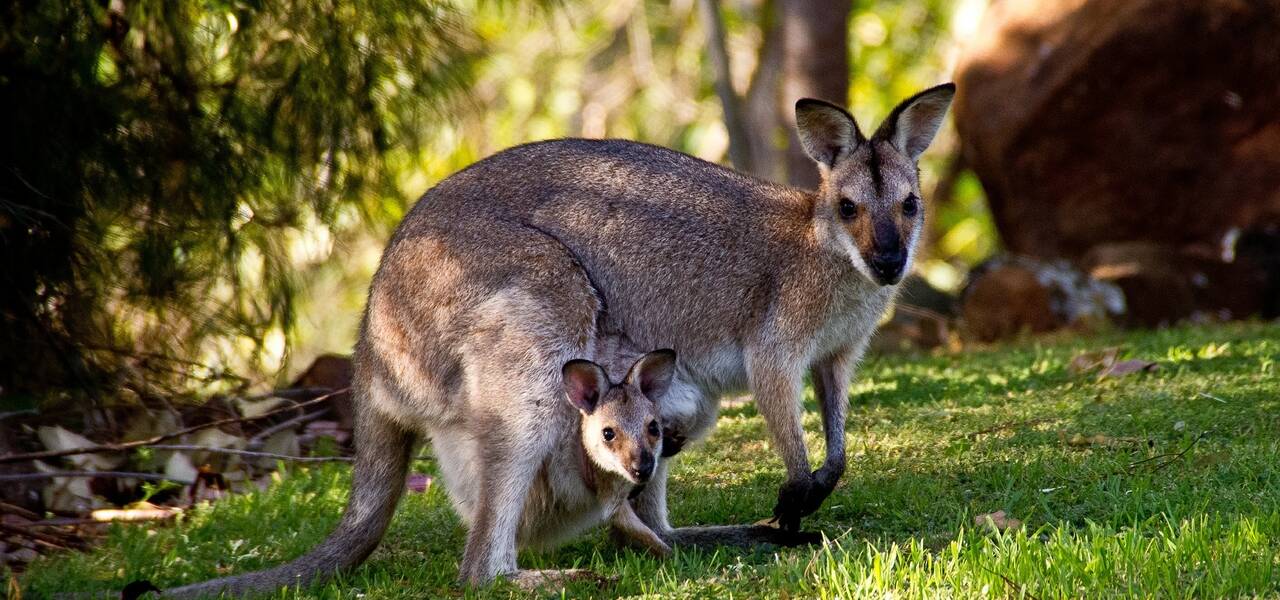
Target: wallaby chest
568, 497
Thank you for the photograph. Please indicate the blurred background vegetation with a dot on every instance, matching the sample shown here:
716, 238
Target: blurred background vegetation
193, 195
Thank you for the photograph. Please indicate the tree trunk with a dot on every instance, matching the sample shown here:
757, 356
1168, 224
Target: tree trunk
761, 108
740, 153
815, 64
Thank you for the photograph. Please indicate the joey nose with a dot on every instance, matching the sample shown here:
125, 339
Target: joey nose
887, 266
642, 468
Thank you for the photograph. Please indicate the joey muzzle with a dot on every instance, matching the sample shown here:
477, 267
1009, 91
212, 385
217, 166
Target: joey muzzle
642, 467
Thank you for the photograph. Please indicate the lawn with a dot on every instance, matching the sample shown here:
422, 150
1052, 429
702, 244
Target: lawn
1162, 484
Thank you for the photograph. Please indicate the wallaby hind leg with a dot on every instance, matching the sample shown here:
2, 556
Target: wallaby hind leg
506, 474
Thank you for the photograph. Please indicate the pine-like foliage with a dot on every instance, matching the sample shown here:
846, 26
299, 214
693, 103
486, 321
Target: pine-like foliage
157, 159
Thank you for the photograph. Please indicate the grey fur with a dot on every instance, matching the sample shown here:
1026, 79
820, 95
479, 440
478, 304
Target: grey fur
571, 249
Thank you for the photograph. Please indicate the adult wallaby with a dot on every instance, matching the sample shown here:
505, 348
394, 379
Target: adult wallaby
510, 268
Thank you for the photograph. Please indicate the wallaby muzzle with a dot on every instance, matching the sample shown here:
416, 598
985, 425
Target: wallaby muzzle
888, 258
642, 468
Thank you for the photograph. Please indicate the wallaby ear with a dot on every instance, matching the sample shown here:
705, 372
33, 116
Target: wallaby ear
913, 123
652, 373
585, 383
826, 131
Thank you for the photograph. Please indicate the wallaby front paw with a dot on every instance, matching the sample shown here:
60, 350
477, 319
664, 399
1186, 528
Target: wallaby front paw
673, 440
799, 498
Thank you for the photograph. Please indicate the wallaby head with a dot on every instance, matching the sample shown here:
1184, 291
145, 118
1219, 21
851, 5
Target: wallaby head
870, 196
621, 430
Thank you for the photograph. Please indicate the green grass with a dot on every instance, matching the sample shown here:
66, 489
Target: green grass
901, 524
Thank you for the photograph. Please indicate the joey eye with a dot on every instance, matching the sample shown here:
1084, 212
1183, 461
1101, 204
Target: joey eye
608, 434
911, 206
654, 430
848, 209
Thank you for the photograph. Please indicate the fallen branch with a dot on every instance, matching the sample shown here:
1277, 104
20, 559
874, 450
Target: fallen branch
250, 453
59, 542
258, 440
16, 413
120, 447
18, 510
111, 474
124, 516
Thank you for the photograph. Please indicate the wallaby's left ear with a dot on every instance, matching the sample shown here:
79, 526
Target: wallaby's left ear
653, 372
913, 123
585, 384
826, 131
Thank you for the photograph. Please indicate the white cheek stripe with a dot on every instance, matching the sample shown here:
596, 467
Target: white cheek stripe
841, 237
911, 250
855, 257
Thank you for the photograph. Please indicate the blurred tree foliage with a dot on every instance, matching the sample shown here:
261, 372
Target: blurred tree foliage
163, 164
214, 181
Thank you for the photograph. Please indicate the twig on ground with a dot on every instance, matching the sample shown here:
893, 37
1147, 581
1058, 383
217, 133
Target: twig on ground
60, 542
10, 458
250, 453
1017, 587
15, 413
1212, 397
1172, 458
111, 474
295, 393
18, 510
79, 521
258, 440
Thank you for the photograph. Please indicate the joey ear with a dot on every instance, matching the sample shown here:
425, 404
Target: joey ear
913, 123
826, 131
652, 373
585, 383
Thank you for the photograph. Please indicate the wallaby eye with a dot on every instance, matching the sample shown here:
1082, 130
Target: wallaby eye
848, 209
911, 206
608, 434
653, 429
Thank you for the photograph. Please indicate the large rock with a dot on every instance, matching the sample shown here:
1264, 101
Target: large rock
1099, 121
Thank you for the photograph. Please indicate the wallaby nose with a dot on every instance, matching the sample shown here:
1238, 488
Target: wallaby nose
887, 266
642, 469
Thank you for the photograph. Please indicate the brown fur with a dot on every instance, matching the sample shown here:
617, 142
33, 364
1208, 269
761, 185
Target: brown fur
530, 258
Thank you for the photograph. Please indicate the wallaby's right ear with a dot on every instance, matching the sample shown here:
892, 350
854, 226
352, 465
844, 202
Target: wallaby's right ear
826, 131
585, 383
652, 373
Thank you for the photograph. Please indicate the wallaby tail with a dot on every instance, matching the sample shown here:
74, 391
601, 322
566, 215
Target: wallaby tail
383, 449
742, 536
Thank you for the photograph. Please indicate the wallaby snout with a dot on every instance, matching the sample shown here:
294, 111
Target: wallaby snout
642, 466
888, 256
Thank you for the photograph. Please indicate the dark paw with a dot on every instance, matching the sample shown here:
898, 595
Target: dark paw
138, 589
672, 442
800, 498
